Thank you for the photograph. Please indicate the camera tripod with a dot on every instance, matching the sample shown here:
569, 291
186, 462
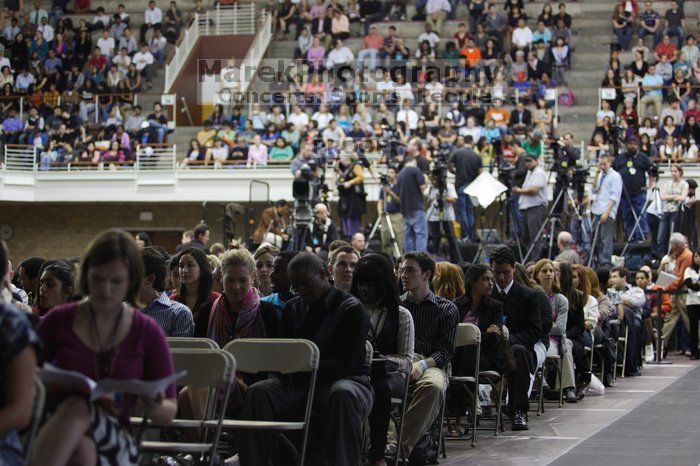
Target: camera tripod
444, 225
384, 217
638, 218
553, 218
499, 218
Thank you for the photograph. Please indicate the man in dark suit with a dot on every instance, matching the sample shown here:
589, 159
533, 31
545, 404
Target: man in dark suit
521, 315
338, 324
520, 118
321, 27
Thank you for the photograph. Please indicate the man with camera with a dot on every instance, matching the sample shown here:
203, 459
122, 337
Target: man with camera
410, 185
533, 203
565, 158
323, 232
633, 167
466, 166
389, 203
607, 189
441, 214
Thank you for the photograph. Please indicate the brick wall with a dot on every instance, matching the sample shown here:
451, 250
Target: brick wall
57, 230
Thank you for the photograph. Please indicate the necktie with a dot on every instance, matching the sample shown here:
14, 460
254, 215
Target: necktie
502, 296
602, 177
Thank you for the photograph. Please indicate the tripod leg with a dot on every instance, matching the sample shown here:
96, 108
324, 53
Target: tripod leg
392, 236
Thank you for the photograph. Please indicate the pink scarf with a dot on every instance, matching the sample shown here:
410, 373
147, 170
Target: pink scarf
225, 326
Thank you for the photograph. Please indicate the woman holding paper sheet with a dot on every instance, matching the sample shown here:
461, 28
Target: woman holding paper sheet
103, 336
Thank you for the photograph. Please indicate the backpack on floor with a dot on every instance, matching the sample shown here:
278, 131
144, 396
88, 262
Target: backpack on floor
567, 97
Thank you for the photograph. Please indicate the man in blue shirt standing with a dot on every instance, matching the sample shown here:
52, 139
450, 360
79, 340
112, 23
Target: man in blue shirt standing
607, 189
651, 85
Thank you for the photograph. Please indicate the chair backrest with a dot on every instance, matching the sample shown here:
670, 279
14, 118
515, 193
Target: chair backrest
369, 352
286, 356
468, 335
205, 367
191, 343
37, 412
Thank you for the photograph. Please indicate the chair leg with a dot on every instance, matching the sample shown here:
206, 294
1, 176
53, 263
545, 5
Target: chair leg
499, 408
560, 375
475, 396
540, 402
441, 439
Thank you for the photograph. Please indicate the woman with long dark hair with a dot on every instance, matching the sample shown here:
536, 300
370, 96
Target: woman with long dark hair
196, 283
477, 307
352, 202
391, 333
575, 323
56, 285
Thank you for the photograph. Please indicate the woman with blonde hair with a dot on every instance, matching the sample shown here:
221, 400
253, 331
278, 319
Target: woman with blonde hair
544, 274
448, 281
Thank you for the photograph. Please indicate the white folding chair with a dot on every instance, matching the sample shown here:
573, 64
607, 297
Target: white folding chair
210, 368
285, 356
469, 335
191, 343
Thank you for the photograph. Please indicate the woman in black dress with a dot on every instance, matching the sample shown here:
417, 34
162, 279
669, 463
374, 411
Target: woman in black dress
478, 308
352, 202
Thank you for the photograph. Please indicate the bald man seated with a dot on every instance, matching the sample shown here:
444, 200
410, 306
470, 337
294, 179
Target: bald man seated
566, 254
338, 324
323, 232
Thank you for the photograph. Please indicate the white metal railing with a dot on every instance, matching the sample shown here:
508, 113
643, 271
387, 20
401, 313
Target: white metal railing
19, 158
237, 19
257, 49
154, 157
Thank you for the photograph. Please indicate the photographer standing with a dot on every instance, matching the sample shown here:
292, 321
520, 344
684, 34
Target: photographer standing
466, 165
410, 185
565, 158
633, 166
607, 189
390, 203
441, 213
351, 193
533, 203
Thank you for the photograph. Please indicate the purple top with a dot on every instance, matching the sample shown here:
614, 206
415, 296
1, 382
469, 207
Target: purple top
315, 55
143, 354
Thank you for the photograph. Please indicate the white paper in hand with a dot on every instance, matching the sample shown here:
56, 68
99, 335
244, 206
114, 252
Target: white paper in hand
485, 189
75, 381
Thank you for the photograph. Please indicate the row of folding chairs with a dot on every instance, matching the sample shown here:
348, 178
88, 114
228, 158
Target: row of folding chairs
470, 335
209, 367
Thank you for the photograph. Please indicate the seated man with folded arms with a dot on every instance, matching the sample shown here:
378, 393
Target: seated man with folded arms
338, 324
435, 320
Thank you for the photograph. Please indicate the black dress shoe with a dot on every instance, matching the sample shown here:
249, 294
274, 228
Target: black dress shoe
570, 395
520, 420
607, 380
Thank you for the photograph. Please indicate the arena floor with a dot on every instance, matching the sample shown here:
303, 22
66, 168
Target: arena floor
647, 420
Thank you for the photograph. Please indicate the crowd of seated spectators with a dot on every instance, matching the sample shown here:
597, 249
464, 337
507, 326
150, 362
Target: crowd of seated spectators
495, 62
78, 81
653, 97
409, 310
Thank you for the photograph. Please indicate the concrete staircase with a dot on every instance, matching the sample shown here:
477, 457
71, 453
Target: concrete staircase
592, 29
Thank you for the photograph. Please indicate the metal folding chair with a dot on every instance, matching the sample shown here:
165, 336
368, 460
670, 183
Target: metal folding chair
469, 335
191, 343
622, 346
210, 368
285, 356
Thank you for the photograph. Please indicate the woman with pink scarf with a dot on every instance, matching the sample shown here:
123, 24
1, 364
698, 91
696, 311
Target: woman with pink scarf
238, 312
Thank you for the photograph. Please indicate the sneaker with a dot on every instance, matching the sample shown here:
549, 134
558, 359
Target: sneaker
232, 461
